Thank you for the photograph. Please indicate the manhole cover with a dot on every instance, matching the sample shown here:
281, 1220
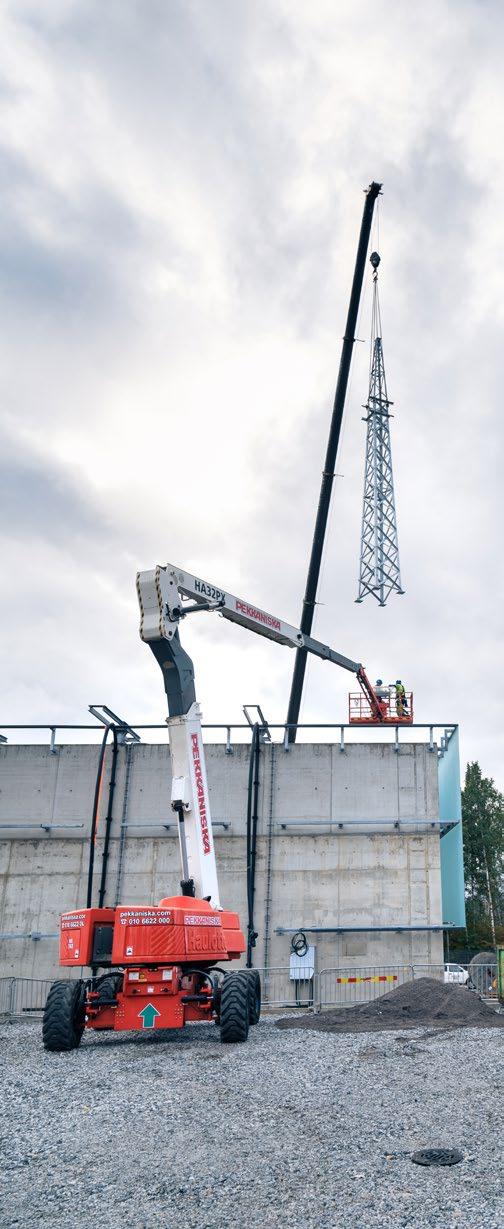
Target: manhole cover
437, 1156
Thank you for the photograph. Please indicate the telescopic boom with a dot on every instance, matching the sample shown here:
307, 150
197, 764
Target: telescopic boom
162, 597
167, 595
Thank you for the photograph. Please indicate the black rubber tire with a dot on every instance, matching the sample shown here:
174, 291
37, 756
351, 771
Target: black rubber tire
63, 1023
235, 1007
254, 996
109, 987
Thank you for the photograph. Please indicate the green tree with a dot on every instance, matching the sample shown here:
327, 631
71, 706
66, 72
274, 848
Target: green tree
483, 820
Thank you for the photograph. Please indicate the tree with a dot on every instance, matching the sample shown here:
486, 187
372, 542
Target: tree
483, 826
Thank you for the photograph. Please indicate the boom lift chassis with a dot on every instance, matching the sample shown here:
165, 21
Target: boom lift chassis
162, 963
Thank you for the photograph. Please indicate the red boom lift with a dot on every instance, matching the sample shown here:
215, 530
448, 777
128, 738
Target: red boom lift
162, 963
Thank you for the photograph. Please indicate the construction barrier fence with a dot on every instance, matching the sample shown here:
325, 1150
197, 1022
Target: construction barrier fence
23, 997
347, 987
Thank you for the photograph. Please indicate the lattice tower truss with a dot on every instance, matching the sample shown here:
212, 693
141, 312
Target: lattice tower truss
380, 573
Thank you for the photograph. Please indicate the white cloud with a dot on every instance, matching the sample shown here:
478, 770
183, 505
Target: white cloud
182, 201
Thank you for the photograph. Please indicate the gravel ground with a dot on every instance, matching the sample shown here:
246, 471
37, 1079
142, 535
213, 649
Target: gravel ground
294, 1129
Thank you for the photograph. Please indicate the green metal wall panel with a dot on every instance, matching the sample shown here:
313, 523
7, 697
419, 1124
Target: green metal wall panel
452, 854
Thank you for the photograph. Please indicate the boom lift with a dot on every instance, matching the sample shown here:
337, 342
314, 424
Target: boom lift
162, 963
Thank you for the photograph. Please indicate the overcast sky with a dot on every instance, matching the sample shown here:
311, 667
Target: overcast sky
181, 198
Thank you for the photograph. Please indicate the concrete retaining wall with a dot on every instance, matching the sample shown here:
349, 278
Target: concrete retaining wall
362, 875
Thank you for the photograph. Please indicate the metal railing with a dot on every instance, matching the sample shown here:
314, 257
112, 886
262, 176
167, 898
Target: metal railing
436, 971
239, 732
359, 709
24, 997
21, 997
346, 987
280, 991
482, 978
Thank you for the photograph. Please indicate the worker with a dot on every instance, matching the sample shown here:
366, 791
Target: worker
401, 701
382, 692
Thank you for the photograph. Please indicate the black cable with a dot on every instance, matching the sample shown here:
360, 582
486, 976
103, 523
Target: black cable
108, 820
299, 946
299, 943
94, 821
198, 973
255, 819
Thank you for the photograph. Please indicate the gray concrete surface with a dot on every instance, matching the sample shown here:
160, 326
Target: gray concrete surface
290, 1130
370, 874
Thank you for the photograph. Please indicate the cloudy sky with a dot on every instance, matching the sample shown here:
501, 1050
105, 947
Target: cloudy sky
182, 192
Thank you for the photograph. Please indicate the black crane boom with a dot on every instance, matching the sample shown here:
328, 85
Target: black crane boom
330, 462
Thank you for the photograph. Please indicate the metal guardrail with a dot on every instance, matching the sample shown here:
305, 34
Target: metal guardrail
482, 978
24, 997
281, 991
346, 987
21, 997
444, 731
359, 707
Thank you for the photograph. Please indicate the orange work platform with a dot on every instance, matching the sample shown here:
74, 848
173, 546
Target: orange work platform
360, 711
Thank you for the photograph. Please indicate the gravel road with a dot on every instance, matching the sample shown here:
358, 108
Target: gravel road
294, 1129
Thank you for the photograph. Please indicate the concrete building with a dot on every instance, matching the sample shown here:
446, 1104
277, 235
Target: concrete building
351, 838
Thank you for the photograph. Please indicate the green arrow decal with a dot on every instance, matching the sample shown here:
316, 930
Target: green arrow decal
148, 1015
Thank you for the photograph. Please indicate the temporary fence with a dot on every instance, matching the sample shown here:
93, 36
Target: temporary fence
437, 971
282, 990
23, 997
347, 987
481, 978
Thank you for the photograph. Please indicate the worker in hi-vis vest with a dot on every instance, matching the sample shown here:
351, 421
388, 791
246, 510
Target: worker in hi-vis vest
401, 701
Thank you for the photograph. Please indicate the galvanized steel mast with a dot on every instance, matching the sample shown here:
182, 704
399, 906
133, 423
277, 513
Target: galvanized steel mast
380, 572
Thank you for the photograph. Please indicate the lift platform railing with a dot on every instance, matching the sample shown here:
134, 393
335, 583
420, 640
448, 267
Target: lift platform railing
397, 713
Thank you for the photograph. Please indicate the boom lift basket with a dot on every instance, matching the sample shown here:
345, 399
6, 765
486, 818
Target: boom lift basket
361, 713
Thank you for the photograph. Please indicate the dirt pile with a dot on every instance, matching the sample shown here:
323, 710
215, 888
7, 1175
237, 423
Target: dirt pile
417, 1004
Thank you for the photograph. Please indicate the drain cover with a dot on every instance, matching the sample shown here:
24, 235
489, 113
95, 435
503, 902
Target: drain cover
437, 1156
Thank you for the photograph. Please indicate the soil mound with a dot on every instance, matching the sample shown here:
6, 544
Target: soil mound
414, 1005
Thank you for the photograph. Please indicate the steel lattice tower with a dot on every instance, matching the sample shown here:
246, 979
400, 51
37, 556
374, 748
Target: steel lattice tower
380, 572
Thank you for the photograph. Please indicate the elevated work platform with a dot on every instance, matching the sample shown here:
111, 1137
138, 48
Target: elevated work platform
395, 710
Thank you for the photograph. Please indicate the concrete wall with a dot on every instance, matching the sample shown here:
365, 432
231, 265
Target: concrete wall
366, 874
